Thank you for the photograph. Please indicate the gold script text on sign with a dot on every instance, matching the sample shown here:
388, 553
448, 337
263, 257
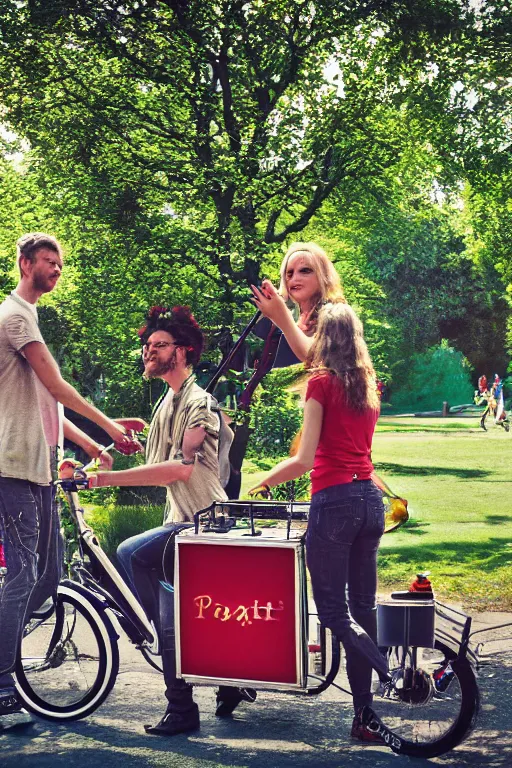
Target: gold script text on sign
243, 614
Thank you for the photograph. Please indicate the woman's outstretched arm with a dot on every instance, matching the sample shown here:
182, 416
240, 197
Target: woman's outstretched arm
273, 306
303, 461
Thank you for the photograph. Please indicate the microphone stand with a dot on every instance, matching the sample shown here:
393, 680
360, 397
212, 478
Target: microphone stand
224, 365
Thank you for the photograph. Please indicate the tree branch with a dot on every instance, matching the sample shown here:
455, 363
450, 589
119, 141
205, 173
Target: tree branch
222, 72
73, 97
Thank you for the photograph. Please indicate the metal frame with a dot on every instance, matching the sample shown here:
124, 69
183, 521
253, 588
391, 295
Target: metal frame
135, 613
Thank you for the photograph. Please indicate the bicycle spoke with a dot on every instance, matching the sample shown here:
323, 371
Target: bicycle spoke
427, 701
61, 669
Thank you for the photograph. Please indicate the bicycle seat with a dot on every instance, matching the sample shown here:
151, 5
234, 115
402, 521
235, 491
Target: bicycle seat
44, 611
406, 595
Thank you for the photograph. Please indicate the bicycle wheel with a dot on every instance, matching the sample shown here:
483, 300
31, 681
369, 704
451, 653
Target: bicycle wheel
432, 704
69, 658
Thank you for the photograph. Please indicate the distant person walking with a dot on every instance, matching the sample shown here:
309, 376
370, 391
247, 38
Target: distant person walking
482, 384
493, 400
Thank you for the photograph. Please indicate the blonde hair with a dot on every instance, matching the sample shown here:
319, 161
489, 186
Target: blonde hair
339, 348
328, 278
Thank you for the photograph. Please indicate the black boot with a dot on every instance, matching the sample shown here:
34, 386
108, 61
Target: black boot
181, 715
229, 698
174, 722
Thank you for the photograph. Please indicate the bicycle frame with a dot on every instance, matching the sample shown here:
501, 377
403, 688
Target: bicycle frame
117, 595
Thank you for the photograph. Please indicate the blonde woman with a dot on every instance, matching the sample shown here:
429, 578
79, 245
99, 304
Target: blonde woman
308, 279
346, 518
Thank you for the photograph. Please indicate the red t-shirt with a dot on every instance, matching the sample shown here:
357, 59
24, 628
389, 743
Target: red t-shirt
345, 444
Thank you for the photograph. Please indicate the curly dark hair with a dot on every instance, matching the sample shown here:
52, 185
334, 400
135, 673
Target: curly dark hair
181, 324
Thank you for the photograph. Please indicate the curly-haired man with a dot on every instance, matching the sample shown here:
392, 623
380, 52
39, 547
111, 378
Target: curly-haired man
186, 435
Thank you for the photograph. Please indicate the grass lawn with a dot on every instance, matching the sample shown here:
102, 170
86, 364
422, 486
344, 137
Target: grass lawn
458, 481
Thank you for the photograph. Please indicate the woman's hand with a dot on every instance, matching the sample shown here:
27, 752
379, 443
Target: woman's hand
270, 303
262, 490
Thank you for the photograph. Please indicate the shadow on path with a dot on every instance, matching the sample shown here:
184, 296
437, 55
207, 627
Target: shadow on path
278, 731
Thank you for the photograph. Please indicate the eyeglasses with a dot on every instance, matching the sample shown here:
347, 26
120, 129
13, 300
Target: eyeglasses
159, 345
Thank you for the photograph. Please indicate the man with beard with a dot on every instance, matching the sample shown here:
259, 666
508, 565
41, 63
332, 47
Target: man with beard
32, 392
182, 453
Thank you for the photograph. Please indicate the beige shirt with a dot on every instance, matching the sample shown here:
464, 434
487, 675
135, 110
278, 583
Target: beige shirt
24, 447
189, 408
52, 412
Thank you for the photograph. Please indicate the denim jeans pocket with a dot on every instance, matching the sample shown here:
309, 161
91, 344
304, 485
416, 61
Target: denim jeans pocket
375, 519
337, 522
23, 526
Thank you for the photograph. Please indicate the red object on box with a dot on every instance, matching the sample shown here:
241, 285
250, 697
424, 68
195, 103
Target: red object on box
3, 564
238, 611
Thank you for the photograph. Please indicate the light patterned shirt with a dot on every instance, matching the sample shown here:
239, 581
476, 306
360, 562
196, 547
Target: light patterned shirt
189, 408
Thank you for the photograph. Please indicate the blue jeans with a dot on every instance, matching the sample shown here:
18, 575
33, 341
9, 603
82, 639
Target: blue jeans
345, 525
31, 529
140, 560
140, 564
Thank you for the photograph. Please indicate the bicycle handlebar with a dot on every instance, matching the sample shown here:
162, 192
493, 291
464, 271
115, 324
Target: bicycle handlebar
78, 479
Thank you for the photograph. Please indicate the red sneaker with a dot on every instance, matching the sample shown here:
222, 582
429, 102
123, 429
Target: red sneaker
361, 732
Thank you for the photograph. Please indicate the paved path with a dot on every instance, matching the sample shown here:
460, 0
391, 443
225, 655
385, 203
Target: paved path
277, 731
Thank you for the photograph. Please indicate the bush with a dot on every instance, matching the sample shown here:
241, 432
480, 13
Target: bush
275, 418
114, 524
439, 374
300, 488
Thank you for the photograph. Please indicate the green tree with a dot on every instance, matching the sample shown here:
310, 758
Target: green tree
424, 274
440, 374
177, 146
236, 118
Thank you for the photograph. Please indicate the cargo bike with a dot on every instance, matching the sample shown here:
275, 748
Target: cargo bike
243, 617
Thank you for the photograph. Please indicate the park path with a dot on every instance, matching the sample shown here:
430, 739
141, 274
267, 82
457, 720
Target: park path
276, 732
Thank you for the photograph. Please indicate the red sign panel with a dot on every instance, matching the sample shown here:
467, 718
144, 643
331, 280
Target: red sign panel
237, 612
